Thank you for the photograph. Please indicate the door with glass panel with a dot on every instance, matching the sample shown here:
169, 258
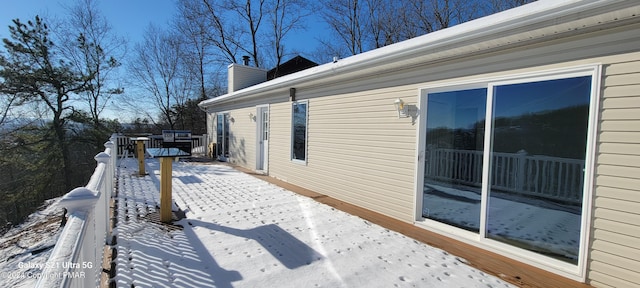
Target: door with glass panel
506, 161
222, 136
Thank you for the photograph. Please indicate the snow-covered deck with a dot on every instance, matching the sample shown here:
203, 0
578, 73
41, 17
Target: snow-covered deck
240, 231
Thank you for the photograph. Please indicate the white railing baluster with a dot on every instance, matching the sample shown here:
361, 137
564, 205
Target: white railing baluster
542, 176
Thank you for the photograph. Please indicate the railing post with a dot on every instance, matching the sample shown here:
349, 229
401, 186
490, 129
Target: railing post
109, 145
73, 239
107, 187
521, 174
81, 199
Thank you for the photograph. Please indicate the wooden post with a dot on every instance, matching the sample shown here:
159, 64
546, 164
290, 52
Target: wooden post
165, 189
140, 150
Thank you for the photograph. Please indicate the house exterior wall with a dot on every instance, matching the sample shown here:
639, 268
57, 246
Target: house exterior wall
242, 137
358, 149
615, 249
211, 129
360, 152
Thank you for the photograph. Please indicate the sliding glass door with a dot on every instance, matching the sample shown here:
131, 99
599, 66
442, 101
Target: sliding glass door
222, 133
539, 139
453, 157
506, 160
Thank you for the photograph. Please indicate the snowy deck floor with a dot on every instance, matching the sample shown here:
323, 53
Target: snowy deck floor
241, 231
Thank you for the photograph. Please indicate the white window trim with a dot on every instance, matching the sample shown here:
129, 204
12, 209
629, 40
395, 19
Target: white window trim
577, 272
306, 134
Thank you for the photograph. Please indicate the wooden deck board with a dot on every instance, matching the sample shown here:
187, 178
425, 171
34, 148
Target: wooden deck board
510, 270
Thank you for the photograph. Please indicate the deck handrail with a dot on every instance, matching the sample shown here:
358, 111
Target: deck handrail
541, 176
76, 259
198, 143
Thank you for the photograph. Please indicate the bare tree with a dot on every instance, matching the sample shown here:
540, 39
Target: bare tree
251, 13
344, 17
361, 25
96, 56
285, 16
256, 28
224, 36
494, 6
198, 43
157, 68
233, 22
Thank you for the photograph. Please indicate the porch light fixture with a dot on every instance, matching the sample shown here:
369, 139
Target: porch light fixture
401, 108
252, 117
292, 94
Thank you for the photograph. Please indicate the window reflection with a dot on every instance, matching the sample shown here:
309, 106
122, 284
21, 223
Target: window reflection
537, 160
299, 132
453, 157
222, 135
537, 169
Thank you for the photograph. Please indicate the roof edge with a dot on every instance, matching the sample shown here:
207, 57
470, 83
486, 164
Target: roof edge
481, 28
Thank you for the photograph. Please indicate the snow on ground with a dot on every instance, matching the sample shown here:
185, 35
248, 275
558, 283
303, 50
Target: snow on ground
540, 225
24, 249
240, 231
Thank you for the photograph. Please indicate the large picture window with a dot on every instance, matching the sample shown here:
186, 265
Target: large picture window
506, 161
299, 131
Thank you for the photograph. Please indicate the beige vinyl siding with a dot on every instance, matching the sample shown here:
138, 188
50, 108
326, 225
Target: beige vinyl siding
242, 137
358, 150
615, 249
211, 128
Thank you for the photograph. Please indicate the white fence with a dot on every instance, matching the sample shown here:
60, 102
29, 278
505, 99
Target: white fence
76, 259
541, 176
198, 143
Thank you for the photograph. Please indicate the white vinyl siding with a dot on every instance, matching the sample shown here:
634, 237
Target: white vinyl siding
615, 251
242, 137
359, 151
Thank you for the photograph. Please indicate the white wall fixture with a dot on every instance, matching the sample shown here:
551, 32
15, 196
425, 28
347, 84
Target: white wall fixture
401, 108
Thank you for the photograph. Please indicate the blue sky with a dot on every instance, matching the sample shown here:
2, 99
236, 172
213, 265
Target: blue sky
130, 18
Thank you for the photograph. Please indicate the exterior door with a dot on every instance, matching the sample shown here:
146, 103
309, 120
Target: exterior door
222, 134
503, 164
262, 147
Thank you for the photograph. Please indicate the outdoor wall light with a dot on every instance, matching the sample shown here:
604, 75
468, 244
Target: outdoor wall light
292, 94
401, 108
252, 117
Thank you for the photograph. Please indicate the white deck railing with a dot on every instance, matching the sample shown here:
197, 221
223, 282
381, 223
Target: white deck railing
76, 259
541, 176
198, 143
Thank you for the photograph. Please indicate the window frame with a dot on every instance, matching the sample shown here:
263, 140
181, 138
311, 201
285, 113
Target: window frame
574, 271
226, 134
306, 133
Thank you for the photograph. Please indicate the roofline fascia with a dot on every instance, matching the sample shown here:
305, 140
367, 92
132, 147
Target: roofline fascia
478, 29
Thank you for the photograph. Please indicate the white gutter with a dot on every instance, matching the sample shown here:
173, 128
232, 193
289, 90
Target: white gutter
480, 29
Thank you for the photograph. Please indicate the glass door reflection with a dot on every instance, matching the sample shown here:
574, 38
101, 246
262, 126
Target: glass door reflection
539, 136
453, 157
